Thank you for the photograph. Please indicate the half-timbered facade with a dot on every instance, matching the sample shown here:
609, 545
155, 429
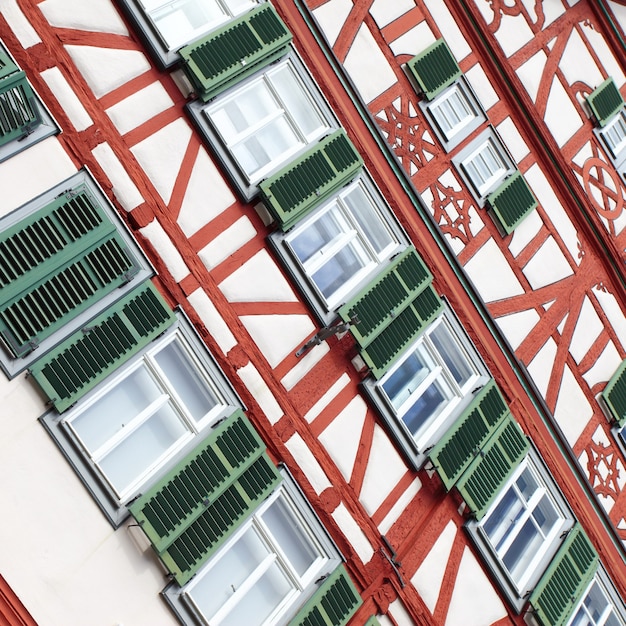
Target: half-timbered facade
312, 312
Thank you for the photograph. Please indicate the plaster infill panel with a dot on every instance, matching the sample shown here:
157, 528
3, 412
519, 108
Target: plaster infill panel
99, 16
331, 17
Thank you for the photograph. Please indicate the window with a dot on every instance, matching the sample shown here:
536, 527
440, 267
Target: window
454, 114
429, 386
66, 257
341, 245
484, 164
139, 419
269, 568
258, 126
600, 605
167, 25
23, 119
523, 528
613, 137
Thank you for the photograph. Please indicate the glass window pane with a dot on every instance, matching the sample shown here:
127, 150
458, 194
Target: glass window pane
196, 395
522, 550
407, 377
293, 542
296, 102
368, 219
221, 581
142, 448
502, 519
116, 409
312, 239
340, 268
452, 354
426, 407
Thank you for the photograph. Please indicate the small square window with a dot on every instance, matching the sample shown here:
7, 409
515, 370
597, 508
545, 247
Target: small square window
454, 114
142, 418
484, 164
523, 528
430, 385
264, 122
168, 25
339, 247
613, 138
266, 571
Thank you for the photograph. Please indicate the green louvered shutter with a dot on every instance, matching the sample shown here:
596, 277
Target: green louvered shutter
55, 264
307, 181
18, 111
493, 466
84, 359
511, 202
192, 510
392, 311
562, 585
234, 51
434, 69
605, 101
333, 604
614, 395
372, 621
455, 451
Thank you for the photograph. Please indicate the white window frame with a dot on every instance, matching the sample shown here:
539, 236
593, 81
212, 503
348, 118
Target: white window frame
352, 237
484, 164
614, 606
308, 525
165, 54
417, 447
86, 462
517, 589
200, 113
457, 101
607, 135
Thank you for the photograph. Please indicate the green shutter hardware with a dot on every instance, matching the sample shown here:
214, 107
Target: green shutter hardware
333, 604
306, 182
56, 263
511, 202
192, 510
392, 311
562, 585
236, 50
434, 69
605, 101
18, 111
614, 395
85, 358
495, 464
454, 452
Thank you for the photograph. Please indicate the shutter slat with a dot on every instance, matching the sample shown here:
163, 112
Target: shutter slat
84, 359
305, 183
7, 66
18, 112
434, 69
494, 465
242, 46
454, 452
511, 202
565, 580
614, 395
333, 604
392, 311
192, 510
605, 101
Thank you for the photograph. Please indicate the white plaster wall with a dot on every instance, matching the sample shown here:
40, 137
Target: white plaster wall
61, 556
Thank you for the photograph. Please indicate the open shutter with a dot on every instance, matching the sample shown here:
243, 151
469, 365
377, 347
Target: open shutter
85, 358
392, 311
454, 452
493, 466
434, 69
605, 101
562, 585
18, 111
306, 182
239, 48
511, 202
614, 395
56, 263
333, 604
192, 510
